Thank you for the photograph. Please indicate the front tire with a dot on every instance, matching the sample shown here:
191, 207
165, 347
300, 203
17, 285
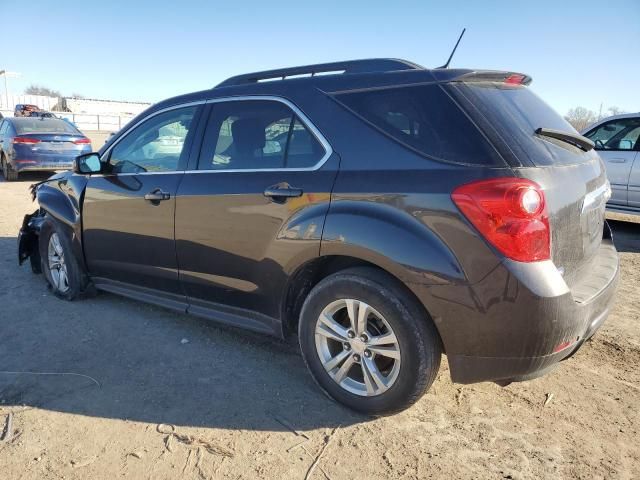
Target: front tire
367, 342
59, 265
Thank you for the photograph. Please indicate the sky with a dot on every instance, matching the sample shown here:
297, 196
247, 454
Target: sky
579, 53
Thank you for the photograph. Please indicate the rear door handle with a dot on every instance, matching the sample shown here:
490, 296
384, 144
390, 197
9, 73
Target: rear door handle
282, 191
157, 195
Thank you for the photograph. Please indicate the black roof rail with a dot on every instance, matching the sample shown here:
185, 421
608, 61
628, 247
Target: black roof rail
350, 66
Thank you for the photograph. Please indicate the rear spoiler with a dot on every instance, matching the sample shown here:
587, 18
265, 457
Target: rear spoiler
510, 78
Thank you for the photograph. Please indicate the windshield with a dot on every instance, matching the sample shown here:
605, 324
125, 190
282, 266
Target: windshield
515, 113
43, 125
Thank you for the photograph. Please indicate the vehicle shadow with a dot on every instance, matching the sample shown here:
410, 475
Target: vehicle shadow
114, 358
626, 236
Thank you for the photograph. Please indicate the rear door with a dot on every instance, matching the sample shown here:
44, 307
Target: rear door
128, 213
615, 142
634, 180
253, 206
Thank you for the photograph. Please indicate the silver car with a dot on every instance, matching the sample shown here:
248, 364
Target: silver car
617, 142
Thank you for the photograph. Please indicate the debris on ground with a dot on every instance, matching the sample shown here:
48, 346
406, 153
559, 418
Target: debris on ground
191, 441
7, 431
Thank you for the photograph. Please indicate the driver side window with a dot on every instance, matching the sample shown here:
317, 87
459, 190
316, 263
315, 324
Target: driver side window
154, 146
619, 134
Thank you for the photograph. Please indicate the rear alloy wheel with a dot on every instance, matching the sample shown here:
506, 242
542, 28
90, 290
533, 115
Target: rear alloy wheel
357, 347
367, 342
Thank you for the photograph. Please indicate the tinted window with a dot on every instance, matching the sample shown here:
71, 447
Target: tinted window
4, 126
154, 146
621, 134
515, 113
257, 134
43, 125
425, 119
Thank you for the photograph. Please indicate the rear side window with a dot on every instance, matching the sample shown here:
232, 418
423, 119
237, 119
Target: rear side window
257, 135
425, 119
515, 113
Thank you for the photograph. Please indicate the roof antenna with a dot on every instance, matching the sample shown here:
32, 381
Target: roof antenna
446, 65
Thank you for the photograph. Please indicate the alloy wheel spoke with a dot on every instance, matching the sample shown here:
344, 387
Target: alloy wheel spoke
358, 313
329, 328
391, 352
337, 360
64, 281
344, 369
377, 377
386, 339
369, 382
57, 246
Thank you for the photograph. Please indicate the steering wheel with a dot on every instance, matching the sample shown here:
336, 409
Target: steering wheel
599, 144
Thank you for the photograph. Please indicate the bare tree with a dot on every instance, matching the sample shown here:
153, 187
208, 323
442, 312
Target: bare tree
580, 117
40, 90
615, 111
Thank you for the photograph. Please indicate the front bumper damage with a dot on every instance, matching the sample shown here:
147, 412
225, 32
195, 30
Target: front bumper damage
28, 240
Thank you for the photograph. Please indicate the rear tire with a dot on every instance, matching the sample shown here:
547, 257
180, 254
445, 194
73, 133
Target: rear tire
385, 360
9, 174
65, 276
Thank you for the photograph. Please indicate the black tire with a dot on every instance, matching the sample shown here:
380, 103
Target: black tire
418, 339
9, 174
77, 280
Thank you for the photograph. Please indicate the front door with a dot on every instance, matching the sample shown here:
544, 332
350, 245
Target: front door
254, 207
128, 217
615, 142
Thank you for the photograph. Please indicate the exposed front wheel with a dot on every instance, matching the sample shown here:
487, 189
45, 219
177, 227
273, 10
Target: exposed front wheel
59, 265
367, 343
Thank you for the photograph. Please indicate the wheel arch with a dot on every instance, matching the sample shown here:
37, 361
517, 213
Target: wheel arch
308, 275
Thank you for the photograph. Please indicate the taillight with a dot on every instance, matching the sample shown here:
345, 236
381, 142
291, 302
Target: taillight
510, 213
25, 140
82, 141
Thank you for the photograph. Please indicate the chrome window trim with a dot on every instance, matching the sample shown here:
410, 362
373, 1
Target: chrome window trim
303, 118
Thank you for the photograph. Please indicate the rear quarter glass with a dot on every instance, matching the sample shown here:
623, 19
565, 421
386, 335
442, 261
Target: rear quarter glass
425, 119
509, 115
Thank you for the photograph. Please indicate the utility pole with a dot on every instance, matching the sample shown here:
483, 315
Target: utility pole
6, 90
6, 87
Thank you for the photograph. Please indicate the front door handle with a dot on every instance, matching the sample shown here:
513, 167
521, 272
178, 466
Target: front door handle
618, 160
157, 195
279, 193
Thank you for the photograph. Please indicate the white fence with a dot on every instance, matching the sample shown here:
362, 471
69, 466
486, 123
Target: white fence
102, 123
45, 103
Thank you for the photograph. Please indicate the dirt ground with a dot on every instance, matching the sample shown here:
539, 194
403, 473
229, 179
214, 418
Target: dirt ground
120, 389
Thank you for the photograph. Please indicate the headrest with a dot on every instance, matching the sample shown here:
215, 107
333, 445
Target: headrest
248, 134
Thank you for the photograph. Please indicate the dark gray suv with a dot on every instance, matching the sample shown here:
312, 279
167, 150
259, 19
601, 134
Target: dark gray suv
383, 212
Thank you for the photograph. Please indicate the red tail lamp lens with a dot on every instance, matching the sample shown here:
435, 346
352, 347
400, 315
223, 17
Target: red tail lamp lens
510, 213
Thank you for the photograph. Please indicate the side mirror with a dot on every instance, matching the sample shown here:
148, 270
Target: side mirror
87, 164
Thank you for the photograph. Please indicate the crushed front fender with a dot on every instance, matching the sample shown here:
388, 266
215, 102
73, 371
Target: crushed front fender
28, 237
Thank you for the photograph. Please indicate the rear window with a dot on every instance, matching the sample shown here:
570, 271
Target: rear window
43, 125
515, 112
425, 119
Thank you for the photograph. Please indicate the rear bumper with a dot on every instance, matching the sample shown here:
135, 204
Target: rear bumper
42, 166
522, 319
